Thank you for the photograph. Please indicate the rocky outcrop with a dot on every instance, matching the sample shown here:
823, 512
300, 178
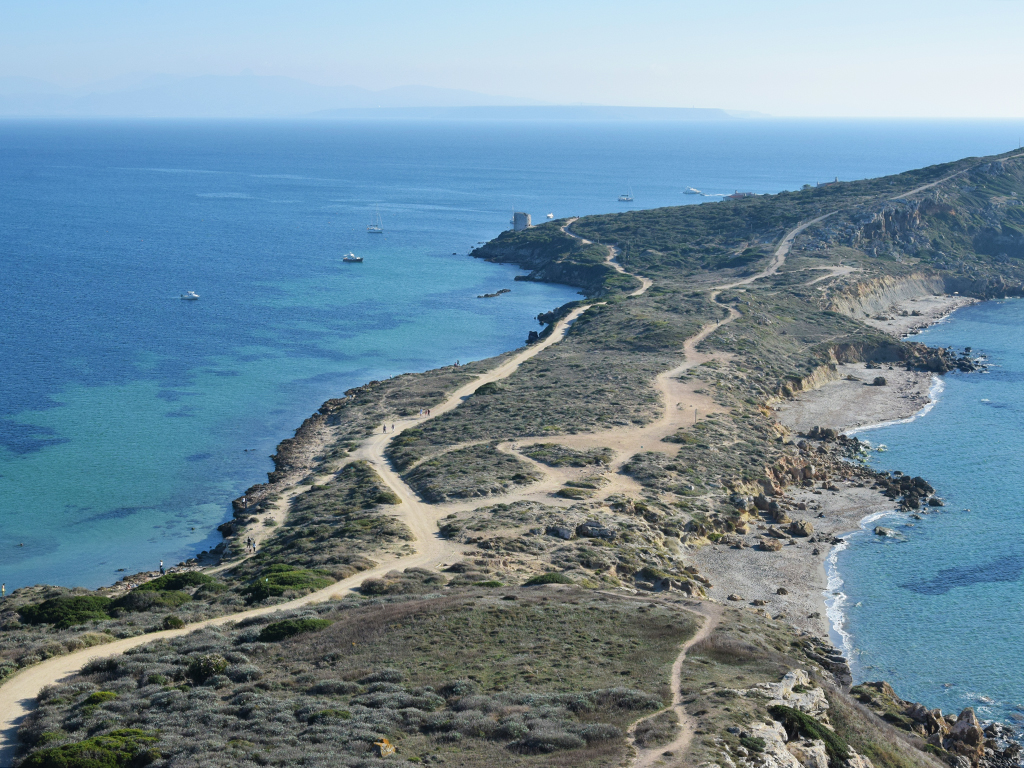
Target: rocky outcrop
551, 256
797, 734
960, 738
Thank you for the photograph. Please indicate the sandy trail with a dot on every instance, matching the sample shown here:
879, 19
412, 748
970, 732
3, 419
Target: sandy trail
676, 749
18, 693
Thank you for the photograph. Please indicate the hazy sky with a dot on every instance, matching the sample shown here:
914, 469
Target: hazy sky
945, 58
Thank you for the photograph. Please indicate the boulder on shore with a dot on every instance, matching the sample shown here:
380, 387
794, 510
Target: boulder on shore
801, 528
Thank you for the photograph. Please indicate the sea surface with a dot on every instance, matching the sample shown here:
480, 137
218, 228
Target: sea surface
937, 610
129, 419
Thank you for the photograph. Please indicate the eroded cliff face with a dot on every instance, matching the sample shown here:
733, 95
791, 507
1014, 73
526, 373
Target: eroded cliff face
875, 295
878, 294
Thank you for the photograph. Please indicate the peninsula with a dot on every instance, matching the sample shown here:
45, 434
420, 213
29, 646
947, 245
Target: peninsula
605, 548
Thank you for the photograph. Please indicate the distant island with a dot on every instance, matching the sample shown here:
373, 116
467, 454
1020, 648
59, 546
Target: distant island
604, 548
273, 97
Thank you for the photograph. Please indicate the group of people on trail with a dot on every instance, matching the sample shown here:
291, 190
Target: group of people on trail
386, 428
250, 544
424, 412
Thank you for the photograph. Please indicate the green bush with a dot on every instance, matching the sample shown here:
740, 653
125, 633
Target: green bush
572, 493
99, 697
173, 622
548, 578
176, 581
144, 600
280, 630
128, 748
67, 611
753, 743
125, 748
388, 496
330, 714
797, 722
202, 668
279, 578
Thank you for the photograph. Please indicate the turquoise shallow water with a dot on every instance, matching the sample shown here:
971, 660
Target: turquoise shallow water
938, 611
129, 419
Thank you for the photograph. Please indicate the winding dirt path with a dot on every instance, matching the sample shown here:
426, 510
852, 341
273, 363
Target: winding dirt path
18, 694
646, 758
612, 259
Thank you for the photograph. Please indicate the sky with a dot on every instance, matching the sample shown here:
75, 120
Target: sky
828, 58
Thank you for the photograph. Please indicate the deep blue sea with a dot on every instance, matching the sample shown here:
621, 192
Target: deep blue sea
129, 419
938, 611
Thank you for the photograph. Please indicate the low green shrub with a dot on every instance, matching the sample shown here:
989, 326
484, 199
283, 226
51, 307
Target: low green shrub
125, 748
277, 579
202, 668
143, 600
98, 697
176, 581
173, 622
796, 722
280, 630
753, 743
330, 714
548, 578
67, 611
572, 493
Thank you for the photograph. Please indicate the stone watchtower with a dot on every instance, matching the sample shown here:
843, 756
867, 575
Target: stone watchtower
520, 221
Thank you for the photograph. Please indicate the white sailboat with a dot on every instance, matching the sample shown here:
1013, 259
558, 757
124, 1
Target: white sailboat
627, 198
377, 226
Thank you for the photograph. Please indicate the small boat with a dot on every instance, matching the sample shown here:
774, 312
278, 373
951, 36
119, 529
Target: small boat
351, 258
692, 191
377, 226
626, 198
190, 296
551, 215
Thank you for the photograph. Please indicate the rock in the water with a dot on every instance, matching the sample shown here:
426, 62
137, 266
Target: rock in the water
880, 531
935, 501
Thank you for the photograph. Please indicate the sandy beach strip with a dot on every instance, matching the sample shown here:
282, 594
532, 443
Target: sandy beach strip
852, 401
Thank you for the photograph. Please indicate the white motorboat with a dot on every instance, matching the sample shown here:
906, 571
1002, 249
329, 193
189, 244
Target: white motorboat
190, 296
551, 215
351, 258
692, 191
